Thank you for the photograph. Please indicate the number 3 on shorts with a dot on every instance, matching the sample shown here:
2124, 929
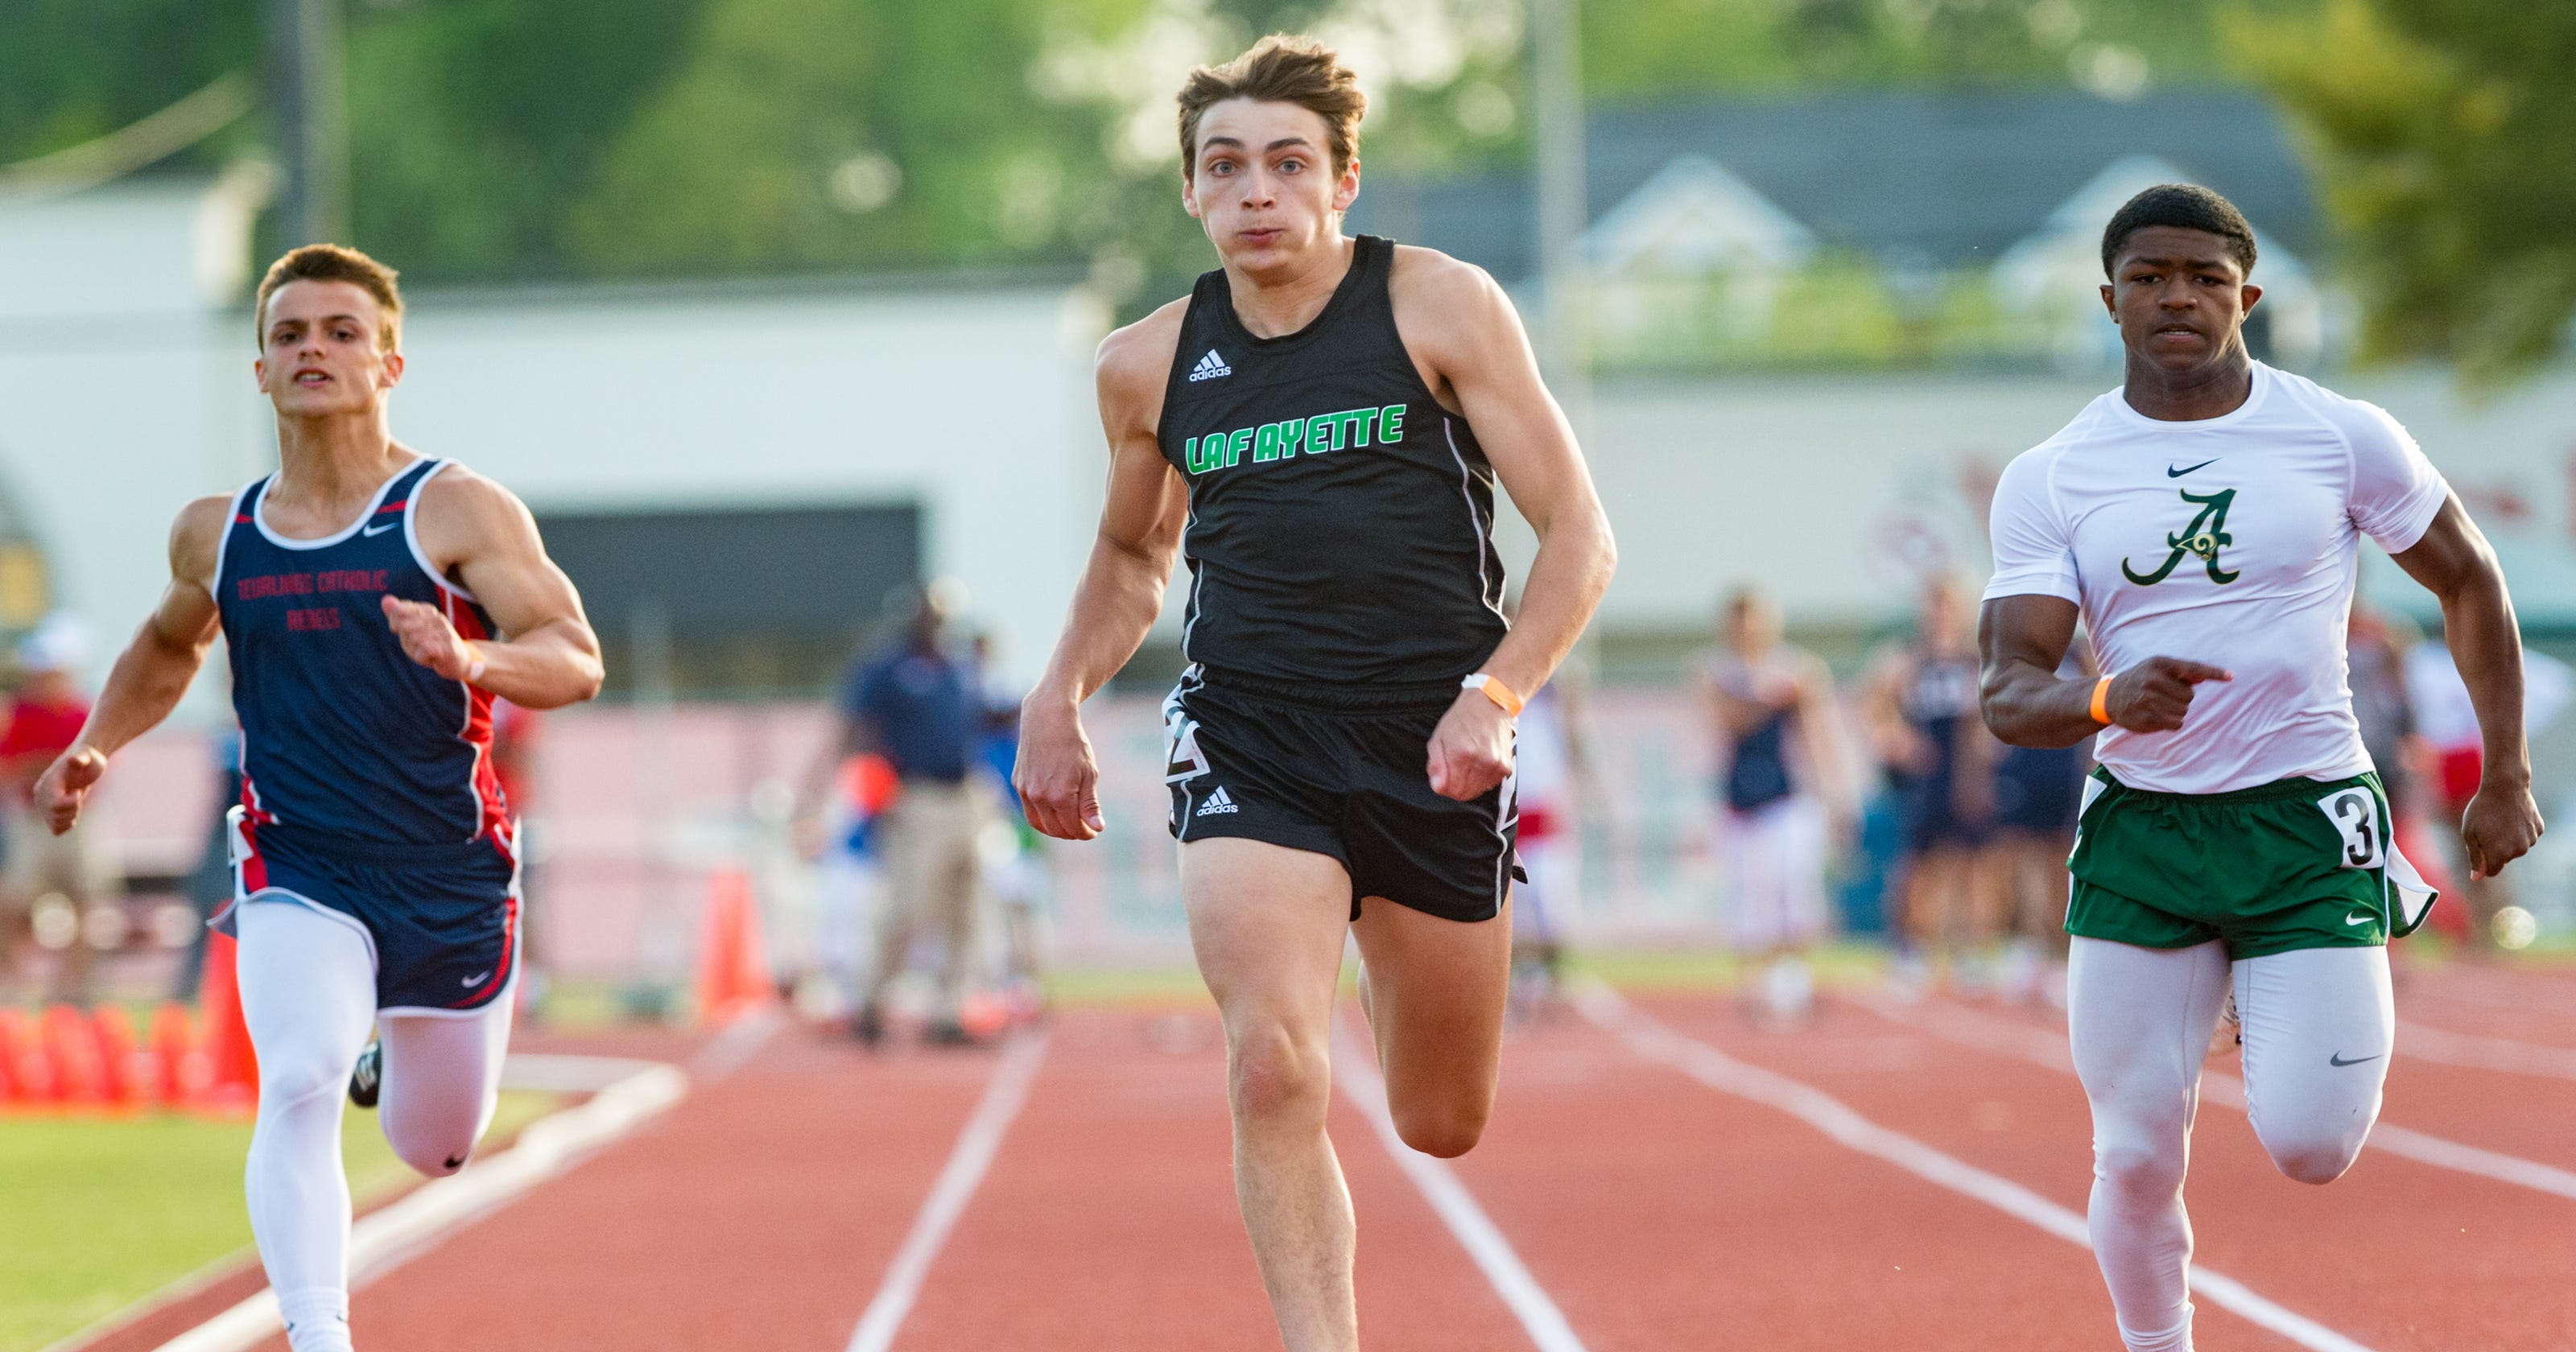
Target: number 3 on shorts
2356, 817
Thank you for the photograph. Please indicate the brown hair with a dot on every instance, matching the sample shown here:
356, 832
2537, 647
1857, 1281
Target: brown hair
333, 263
1280, 69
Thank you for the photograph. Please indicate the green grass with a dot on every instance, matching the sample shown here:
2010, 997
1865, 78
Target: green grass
96, 1212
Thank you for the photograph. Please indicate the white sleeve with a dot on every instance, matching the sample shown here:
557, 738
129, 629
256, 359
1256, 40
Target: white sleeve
2033, 556
2395, 491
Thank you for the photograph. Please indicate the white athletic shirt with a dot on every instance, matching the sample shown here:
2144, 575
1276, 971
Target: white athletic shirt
2232, 541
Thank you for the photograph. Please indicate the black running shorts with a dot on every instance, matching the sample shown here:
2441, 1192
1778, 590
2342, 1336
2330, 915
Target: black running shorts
1342, 774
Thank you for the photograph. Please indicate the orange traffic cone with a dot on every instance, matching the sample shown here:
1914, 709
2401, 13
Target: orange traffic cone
22, 1054
232, 1085
80, 1072
733, 973
133, 1068
179, 1056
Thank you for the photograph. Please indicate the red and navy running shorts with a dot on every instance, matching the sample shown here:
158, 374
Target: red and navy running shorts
442, 921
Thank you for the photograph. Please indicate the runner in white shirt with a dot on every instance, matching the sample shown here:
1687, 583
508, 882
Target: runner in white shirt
2205, 521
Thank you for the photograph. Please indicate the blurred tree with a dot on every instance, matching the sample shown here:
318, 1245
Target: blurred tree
814, 133
474, 122
72, 70
2447, 131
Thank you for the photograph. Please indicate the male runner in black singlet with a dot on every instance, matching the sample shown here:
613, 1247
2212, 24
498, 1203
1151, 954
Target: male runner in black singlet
1318, 428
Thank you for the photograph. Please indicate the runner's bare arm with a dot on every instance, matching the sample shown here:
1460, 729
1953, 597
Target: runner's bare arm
2454, 562
1458, 324
2021, 639
153, 672
1121, 588
479, 534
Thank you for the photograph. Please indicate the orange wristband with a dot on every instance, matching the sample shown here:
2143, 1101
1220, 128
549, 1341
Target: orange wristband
1496, 691
2102, 700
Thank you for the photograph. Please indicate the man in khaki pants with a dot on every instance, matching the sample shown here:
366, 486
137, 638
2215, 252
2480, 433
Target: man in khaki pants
916, 705
53, 883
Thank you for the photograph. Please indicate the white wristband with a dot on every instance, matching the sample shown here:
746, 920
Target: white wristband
474, 669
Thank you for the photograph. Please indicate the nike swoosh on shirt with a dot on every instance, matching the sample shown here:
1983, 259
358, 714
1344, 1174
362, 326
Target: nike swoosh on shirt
475, 980
2336, 1059
2172, 473
379, 530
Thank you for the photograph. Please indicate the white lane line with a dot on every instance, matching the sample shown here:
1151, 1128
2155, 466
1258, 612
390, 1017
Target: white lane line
2478, 1052
1829, 1115
736, 1043
976, 1145
2037, 1045
383, 1240
1456, 1207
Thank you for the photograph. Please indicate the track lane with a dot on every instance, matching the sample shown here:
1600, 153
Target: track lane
1109, 1221
2397, 1254
1660, 1215
759, 1214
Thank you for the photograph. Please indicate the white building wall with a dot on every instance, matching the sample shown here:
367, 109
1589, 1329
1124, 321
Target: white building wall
1834, 492
975, 403
125, 381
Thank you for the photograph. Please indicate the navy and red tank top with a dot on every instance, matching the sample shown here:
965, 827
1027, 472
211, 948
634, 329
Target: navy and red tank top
1341, 520
344, 736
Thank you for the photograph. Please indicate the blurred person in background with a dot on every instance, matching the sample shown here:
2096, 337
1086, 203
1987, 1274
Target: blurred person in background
55, 884
2447, 720
2037, 792
373, 602
210, 884
916, 704
1782, 788
845, 841
515, 732
1921, 700
1014, 874
1547, 782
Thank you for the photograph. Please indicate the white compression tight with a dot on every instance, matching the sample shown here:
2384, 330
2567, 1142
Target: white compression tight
308, 994
2318, 1025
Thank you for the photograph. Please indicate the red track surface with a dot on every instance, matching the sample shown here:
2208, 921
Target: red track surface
1658, 1213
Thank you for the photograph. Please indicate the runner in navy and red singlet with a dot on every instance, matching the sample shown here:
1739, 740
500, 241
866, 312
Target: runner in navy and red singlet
373, 603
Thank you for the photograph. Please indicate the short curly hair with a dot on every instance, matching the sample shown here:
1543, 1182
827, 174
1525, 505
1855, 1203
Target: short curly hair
1280, 69
333, 263
2186, 205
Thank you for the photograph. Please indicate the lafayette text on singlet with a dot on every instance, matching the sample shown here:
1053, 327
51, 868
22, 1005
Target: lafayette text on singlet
343, 735
1340, 518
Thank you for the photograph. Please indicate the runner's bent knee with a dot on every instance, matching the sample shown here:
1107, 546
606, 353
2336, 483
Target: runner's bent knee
1279, 1077
1446, 1122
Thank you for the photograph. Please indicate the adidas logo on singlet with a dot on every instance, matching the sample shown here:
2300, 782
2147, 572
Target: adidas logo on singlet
1210, 367
1217, 802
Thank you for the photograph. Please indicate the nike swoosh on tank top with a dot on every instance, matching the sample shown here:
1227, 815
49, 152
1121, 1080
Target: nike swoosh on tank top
1341, 520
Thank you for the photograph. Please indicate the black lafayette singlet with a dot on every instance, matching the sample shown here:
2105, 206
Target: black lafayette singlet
1340, 519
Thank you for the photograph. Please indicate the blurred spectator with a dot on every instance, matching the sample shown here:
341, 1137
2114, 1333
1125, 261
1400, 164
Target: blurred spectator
1922, 704
917, 706
514, 764
1014, 878
2449, 725
1781, 788
2038, 793
210, 884
1547, 777
55, 884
